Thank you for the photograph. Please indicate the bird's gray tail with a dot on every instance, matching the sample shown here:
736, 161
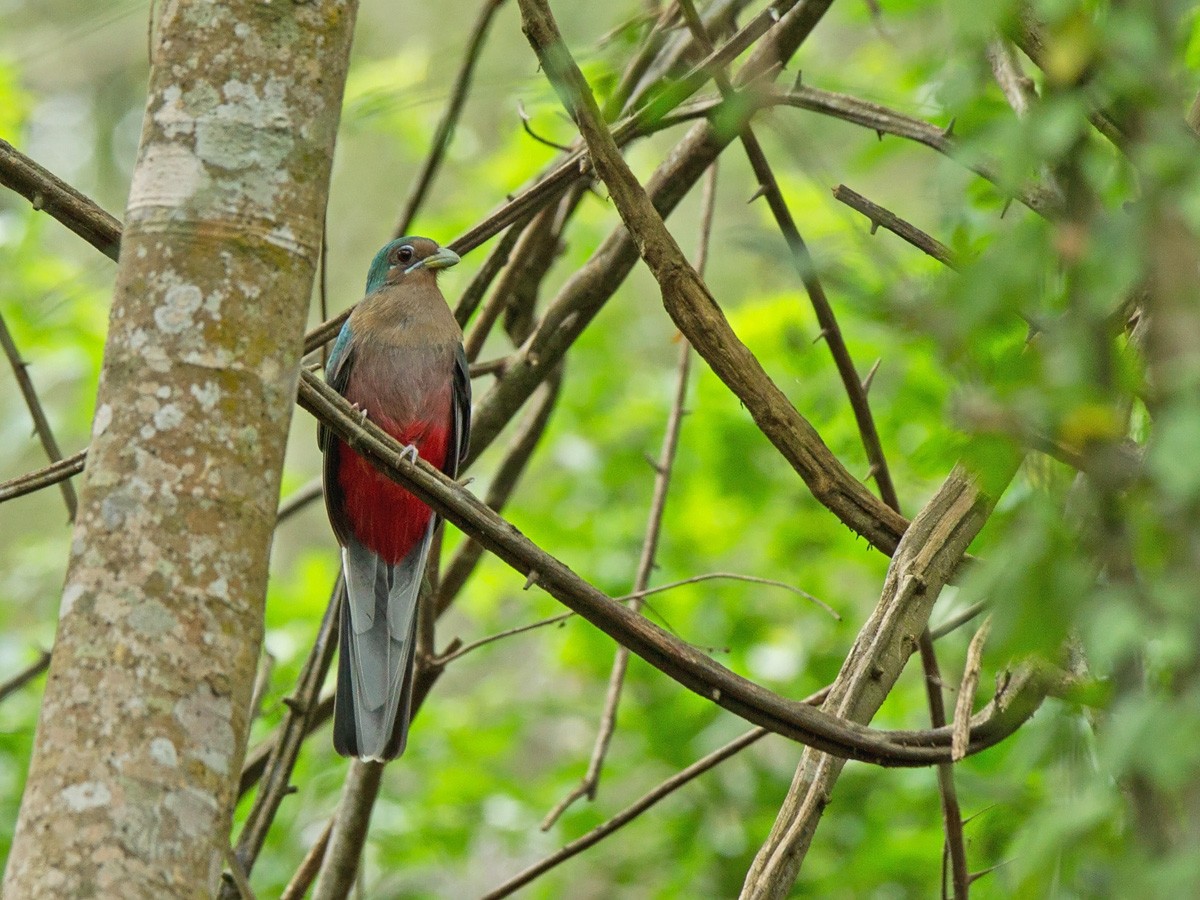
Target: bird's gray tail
376, 651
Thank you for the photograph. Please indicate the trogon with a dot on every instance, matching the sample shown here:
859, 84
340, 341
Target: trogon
399, 359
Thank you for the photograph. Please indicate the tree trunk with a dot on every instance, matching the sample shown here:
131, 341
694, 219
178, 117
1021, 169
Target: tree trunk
140, 742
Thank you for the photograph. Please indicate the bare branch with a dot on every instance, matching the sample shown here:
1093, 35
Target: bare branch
26, 675
966, 692
349, 831
41, 425
896, 225
54, 196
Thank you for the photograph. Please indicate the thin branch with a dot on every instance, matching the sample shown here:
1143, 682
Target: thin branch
349, 831
236, 877
307, 871
896, 225
41, 425
298, 500
1044, 200
471, 297
54, 196
955, 845
26, 675
445, 128
447, 658
527, 126
732, 576
966, 692
43, 478
262, 683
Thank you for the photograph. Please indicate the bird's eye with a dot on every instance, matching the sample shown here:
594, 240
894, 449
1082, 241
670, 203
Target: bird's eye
403, 254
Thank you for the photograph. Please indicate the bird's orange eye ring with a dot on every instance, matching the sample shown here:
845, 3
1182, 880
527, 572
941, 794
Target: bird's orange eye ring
403, 254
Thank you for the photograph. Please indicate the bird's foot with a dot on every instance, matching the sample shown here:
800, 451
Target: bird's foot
362, 413
410, 453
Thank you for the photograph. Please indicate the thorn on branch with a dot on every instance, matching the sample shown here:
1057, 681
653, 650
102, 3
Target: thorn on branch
823, 333
871, 472
874, 226
531, 579
879, 134
1007, 204
294, 705
799, 82
948, 131
866, 382
762, 190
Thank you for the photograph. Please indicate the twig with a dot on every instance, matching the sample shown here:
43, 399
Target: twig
966, 692
309, 866
470, 298
43, 478
733, 576
235, 878
54, 196
445, 128
342, 856
26, 675
955, 848
896, 225
1042, 199
41, 424
298, 500
528, 128
956, 622
256, 760
262, 683
447, 658
637, 595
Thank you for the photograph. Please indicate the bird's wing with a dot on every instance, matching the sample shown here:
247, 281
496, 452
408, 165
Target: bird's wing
337, 376
337, 373
460, 436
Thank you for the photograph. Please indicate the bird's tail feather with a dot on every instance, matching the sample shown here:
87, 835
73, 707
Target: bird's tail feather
378, 638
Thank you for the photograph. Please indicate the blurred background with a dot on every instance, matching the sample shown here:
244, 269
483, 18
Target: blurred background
509, 728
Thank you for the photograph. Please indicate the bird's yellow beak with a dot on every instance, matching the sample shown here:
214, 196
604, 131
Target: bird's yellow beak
443, 259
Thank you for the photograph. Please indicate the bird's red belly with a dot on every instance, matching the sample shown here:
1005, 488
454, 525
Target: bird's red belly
385, 517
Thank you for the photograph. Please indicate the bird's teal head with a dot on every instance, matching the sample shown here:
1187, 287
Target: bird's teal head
407, 256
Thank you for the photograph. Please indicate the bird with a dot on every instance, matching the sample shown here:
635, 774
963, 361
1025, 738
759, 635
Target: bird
399, 360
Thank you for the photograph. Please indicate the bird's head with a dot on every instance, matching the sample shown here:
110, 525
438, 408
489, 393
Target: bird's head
406, 258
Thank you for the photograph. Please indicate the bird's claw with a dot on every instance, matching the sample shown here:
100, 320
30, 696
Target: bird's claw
362, 413
410, 453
